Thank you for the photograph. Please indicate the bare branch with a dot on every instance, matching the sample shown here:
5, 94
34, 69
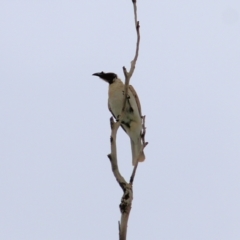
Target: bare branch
125, 208
113, 155
119, 229
129, 74
137, 26
127, 79
126, 201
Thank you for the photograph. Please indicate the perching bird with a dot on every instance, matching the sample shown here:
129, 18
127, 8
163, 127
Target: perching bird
132, 121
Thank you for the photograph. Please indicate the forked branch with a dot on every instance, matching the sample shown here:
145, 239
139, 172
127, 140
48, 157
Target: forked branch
126, 201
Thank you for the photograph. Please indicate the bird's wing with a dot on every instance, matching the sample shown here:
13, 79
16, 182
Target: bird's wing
114, 115
136, 99
109, 108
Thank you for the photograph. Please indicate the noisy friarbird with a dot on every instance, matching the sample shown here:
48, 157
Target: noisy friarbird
132, 121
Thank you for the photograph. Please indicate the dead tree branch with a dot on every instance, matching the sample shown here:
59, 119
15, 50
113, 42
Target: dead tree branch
129, 74
126, 201
113, 155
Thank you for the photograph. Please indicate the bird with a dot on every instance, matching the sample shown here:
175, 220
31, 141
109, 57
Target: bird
132, 119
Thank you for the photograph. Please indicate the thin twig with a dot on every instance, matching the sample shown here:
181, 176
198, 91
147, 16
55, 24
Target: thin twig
137, 26
129, 74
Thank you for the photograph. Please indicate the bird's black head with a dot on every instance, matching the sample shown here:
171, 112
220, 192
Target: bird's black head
108, 77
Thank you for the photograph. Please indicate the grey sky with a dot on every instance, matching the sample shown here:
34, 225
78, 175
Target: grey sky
55, 178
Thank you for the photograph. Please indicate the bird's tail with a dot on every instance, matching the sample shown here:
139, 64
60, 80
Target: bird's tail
136, 151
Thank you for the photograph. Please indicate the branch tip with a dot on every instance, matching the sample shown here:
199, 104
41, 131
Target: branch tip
110, 157
125, 72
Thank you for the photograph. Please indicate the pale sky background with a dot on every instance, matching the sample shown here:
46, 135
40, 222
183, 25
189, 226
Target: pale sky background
55, 177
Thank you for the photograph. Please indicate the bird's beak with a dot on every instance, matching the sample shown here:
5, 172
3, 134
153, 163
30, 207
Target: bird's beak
97, 74
101, 75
